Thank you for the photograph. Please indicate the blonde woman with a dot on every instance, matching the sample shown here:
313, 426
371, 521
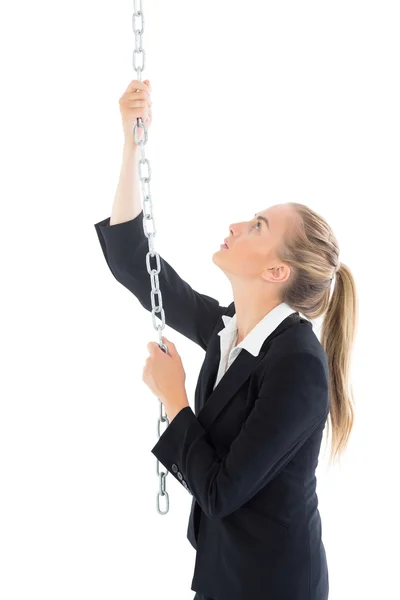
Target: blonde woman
248, 452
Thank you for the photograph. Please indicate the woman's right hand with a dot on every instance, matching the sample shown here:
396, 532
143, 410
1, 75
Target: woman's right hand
135, 103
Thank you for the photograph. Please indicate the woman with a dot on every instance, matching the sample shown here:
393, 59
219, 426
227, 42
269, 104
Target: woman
249, 450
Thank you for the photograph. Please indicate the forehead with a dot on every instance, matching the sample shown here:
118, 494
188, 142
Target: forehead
275, 209
279, 217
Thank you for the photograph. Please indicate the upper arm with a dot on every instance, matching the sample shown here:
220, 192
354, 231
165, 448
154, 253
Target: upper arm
189, 312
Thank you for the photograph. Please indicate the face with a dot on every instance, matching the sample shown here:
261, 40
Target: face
252, 246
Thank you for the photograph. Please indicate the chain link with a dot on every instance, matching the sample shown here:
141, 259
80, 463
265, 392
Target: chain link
147, 217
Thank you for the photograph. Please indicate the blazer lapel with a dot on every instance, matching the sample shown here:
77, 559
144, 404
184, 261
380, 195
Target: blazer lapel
244, 364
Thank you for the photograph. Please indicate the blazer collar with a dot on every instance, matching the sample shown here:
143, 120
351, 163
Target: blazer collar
213, 401
256, 337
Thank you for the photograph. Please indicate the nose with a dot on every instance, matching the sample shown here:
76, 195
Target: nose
231, 234
235, 228
232, 228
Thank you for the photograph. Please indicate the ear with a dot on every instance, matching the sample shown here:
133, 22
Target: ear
277, 274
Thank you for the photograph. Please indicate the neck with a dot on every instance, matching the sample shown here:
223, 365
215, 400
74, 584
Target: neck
250, 310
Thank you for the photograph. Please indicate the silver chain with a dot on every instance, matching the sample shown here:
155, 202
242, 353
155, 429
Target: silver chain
147, 215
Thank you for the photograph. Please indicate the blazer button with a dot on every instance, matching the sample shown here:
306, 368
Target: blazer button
174, 468
179, 475
185, 485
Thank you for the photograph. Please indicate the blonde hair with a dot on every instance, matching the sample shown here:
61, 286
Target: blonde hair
312, 252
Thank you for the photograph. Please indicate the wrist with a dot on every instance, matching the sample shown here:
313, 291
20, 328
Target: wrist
130, 147
173, 412
174, 404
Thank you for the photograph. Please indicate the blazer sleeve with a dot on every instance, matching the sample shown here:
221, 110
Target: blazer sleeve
292, 401
189, 312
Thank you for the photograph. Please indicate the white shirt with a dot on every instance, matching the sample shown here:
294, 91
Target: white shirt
253, 340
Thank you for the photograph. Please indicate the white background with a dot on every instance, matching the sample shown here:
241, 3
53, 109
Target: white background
254, 104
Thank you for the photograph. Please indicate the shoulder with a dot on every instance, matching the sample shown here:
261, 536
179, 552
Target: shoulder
295, 365
296, 374
298, 342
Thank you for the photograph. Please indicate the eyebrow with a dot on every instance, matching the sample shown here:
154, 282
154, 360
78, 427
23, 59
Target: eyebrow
263, 219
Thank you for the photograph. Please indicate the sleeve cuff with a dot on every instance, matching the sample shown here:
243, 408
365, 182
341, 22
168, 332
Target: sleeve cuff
170, 441
132, 227
169, 449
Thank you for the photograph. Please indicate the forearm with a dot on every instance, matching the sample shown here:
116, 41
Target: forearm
127, 202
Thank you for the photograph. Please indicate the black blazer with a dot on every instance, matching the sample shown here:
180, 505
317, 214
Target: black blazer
249, 451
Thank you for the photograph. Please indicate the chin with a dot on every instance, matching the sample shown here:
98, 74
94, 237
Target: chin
217, 254
216, 260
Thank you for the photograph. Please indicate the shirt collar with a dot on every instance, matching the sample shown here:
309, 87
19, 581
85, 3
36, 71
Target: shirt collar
257, 336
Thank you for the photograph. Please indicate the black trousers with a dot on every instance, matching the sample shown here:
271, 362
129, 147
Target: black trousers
199, 596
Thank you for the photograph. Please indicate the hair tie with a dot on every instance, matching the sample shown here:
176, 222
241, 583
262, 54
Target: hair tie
336, 270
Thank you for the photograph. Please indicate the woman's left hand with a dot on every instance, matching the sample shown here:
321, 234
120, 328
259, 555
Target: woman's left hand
165, 376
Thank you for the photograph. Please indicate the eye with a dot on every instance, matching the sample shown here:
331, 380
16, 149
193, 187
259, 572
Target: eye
255, 226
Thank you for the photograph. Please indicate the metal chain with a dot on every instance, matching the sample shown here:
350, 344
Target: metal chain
147, 215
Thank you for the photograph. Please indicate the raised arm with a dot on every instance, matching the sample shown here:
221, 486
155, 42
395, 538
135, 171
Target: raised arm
125, 245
